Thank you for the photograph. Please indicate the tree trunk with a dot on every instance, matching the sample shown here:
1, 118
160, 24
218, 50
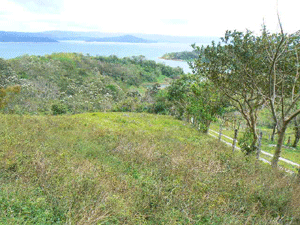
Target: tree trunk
297, 133
280, 140
273, 132
207, 125
255, 139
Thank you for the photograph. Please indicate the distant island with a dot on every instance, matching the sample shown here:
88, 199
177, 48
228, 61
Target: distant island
23, 37
124, 38
181, 56
94, 36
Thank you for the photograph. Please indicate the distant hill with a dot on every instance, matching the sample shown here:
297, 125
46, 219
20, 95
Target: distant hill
87, 36
124, 38
54, 36
23, 37
179, 39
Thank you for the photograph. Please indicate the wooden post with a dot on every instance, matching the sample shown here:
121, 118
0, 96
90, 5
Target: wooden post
259, 145
234, 139
220, 132
289, 141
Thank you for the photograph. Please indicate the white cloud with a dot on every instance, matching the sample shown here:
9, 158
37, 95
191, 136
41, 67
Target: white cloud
189, 18
52, 6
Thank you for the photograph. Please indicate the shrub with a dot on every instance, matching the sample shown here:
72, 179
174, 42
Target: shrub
58, 109
246, 141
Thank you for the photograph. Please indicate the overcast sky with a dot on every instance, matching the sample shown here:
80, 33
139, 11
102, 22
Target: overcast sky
170, 17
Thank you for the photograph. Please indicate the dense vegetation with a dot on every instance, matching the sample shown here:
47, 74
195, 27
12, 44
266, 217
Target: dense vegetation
185, 55
70, 82
114, 168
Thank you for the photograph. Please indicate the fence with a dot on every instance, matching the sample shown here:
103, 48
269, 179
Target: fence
258, 152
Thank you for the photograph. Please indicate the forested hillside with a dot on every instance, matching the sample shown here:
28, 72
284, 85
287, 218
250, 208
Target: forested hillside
70, 82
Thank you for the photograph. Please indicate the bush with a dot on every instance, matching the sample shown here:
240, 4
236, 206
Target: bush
58, 109
246, 142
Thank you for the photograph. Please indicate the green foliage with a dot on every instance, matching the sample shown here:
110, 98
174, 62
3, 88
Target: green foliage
59, 108
246, 142
193, 97
185, 55
237, 68
82, 83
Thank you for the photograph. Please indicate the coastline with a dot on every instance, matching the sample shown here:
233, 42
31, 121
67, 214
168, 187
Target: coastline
179, 60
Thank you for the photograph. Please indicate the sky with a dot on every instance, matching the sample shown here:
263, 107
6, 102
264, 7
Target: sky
167, 17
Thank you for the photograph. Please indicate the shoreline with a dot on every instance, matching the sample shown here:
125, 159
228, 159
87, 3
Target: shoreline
178, 60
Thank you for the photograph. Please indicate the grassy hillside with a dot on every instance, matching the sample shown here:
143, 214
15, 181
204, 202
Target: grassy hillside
115, 168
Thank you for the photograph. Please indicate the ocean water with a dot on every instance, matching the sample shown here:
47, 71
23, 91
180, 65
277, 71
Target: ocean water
151, 51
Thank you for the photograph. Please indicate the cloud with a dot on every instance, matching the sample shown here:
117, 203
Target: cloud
41, 6
175, 21
191, 18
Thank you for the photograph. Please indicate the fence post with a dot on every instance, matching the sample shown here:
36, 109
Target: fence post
259, 145
220, 132
234, 139
289, 141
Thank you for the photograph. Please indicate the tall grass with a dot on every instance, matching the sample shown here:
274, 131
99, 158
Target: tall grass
115, 168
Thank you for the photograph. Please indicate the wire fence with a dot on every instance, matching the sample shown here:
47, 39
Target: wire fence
234, 143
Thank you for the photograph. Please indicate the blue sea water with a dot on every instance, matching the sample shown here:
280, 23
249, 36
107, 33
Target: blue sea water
151, 51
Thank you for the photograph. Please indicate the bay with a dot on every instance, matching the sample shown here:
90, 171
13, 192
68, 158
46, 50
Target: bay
151, 51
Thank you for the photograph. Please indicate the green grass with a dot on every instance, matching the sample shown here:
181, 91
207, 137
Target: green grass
127, 168
292, 154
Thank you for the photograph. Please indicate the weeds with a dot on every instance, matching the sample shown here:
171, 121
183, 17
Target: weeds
115, 168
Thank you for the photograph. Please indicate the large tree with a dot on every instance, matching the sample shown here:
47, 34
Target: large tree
196, 98
234, 67
255, 71
283, 81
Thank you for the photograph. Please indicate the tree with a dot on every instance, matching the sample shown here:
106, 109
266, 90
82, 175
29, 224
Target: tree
198, 99
255, 71
179, 94
234, 67
283, 81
